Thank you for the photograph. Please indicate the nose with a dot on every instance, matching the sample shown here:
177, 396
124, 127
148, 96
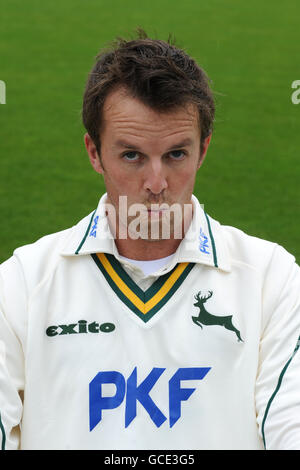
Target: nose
155, 179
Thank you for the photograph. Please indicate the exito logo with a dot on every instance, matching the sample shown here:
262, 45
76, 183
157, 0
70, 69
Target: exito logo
82, 326
296, 94
2, 92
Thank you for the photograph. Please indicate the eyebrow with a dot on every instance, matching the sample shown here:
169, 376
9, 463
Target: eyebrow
183, 143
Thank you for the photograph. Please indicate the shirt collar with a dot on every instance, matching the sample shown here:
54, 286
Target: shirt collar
203, 243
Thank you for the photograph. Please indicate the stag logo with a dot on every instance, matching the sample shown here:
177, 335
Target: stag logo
206, 318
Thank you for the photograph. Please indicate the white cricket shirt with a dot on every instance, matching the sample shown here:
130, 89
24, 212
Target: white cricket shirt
201, 355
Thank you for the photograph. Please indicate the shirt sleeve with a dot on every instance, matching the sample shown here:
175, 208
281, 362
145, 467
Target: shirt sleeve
11, 356
278, 379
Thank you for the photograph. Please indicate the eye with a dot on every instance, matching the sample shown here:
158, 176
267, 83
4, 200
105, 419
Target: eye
177, 154
131, 156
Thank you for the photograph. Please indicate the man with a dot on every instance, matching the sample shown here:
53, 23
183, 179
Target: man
149, 325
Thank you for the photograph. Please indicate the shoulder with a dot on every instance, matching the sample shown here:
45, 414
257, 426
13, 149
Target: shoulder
264, 256
34, 262
276, 270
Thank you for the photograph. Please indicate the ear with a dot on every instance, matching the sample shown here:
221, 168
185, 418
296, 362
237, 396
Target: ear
204, 151
93, 154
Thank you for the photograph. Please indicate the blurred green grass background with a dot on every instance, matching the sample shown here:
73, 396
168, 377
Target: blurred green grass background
250, 50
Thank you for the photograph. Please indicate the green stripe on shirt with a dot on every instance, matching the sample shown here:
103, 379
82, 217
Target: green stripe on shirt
3, 434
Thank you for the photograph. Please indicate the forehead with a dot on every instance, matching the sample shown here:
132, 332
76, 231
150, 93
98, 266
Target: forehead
124, 114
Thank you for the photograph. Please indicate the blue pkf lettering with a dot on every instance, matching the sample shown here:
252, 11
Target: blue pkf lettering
93, 232
178, 394
141, 393
203, 246
98, 402
132, 392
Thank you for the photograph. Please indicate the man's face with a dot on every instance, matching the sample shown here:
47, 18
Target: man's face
150, 157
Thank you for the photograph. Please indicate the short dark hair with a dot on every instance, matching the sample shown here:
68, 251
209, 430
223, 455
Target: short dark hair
156, 72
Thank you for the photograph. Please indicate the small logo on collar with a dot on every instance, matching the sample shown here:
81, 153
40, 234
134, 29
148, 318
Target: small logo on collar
93, 232
203, 245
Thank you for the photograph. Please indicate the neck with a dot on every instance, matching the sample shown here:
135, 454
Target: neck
146, 250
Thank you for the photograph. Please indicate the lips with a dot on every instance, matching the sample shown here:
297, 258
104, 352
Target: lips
156, 210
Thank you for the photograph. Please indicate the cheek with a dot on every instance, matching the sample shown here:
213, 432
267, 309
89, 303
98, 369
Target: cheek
183, 181
121, 181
